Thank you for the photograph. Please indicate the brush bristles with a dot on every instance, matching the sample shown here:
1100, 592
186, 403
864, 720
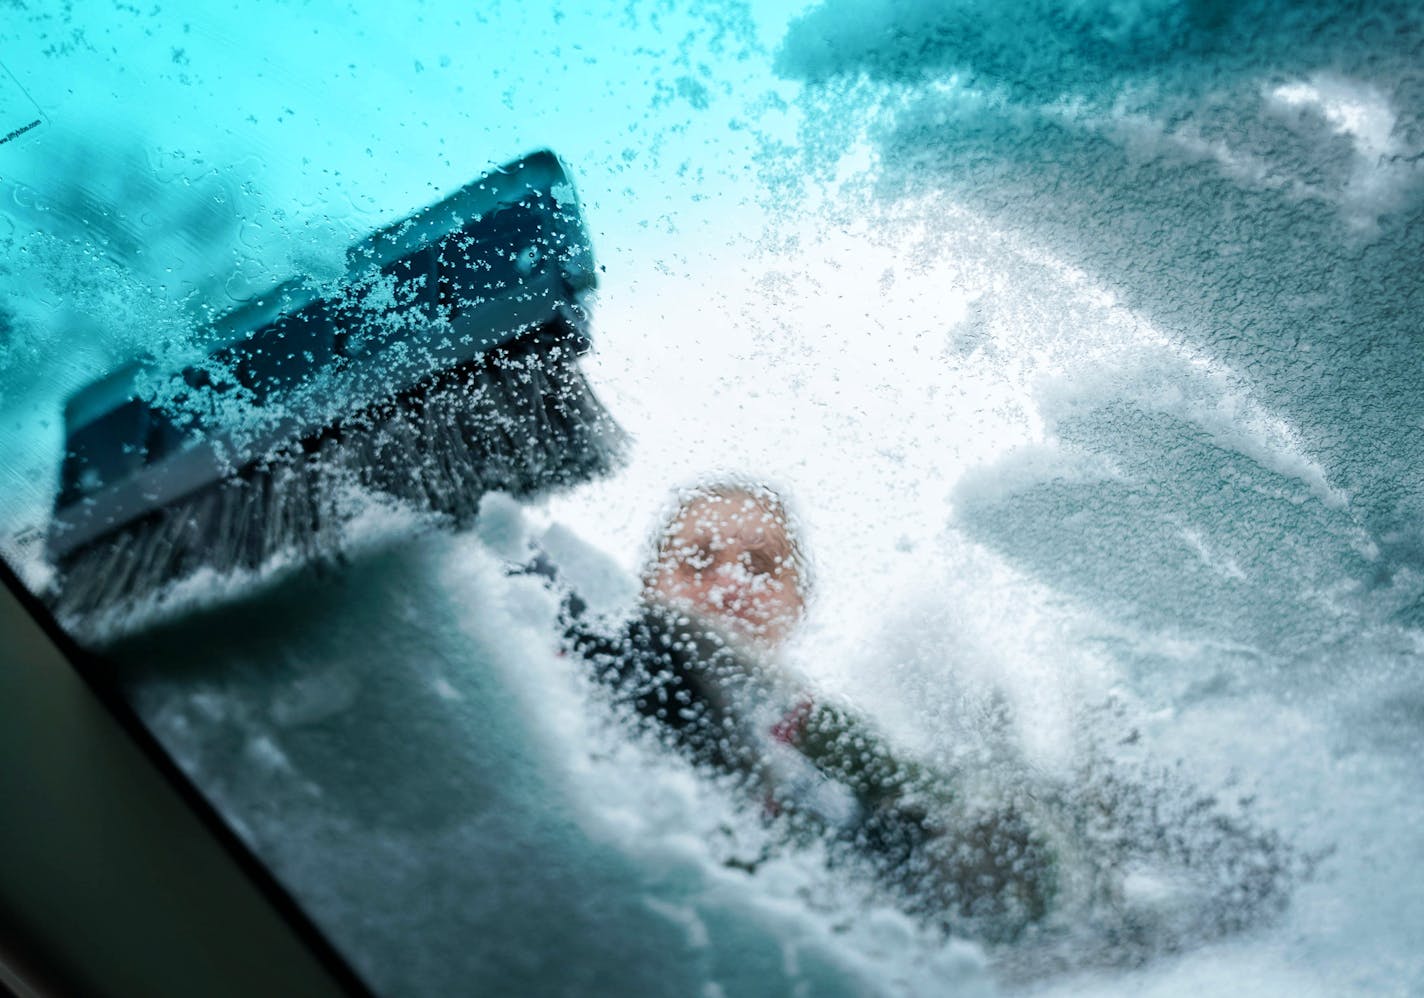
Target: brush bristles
521, 422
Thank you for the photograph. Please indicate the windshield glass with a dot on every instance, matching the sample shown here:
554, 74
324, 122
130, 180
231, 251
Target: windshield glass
727, 498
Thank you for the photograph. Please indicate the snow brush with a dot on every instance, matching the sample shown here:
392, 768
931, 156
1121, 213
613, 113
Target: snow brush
443, 366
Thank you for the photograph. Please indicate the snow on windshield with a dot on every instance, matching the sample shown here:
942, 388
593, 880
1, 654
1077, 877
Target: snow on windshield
1078, 338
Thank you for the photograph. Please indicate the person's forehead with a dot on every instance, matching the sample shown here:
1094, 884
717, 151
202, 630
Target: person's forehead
734, 516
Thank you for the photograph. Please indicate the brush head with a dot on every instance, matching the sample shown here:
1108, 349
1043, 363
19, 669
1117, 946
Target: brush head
443, 368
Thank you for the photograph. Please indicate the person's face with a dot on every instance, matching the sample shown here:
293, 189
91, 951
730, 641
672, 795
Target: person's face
729, 561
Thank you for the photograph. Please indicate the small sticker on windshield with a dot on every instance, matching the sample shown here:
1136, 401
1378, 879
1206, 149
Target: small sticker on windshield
19, 114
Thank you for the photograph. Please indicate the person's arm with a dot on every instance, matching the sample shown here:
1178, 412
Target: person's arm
979, 865
845, 748
606, 648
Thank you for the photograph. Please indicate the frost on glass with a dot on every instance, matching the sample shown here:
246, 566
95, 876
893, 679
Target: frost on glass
1075, 342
